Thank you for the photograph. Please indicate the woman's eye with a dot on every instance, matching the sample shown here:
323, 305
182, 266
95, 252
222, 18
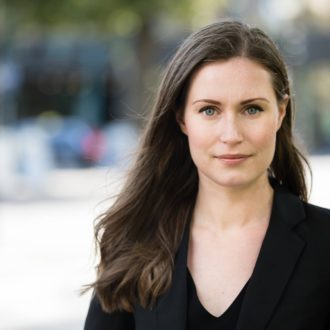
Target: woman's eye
253, 110
208, 111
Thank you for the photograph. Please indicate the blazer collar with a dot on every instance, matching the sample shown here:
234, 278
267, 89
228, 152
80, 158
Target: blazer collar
277, 258
172, 308
279, 253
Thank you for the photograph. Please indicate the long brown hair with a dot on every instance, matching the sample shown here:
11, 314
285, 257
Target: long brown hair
139, 235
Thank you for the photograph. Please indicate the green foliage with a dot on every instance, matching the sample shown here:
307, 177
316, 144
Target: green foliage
104, 15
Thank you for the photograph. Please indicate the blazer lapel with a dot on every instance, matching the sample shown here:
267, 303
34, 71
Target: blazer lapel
171, 309
278, 256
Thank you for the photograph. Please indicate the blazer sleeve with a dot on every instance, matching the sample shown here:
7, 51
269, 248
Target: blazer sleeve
97, 319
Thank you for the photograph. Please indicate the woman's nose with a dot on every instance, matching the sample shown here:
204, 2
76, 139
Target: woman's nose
230, 130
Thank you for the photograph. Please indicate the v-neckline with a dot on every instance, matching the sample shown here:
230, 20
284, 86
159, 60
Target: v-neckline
193, 291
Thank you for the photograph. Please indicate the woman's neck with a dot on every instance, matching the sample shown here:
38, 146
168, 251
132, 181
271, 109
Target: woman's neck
225, 208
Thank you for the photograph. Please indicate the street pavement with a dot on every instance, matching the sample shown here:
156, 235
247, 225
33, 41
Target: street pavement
46, 246
47, 251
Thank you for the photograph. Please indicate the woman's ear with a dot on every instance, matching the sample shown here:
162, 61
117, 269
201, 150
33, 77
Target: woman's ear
282, 110
180, 121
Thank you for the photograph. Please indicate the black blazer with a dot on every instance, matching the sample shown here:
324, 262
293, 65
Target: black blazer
288, 290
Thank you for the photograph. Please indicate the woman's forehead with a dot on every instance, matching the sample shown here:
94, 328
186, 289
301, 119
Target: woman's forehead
231, 77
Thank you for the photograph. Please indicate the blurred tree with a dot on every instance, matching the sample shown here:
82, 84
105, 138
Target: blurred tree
120, 17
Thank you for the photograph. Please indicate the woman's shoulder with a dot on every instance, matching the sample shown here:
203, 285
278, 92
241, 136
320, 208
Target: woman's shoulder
98, 319
317, 212
317, 224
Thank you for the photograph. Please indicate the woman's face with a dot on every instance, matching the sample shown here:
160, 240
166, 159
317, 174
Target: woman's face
231, 117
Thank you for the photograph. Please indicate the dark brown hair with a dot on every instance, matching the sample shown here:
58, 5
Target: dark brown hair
140, 234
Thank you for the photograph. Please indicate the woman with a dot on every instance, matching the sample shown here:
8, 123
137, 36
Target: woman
212, 229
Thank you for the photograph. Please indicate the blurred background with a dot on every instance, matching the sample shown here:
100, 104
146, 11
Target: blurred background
77, 79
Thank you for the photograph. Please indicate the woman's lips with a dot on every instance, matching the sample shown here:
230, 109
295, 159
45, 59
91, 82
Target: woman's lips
232, 159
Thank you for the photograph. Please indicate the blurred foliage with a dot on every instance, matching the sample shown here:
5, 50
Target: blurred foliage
103, 15
144, 20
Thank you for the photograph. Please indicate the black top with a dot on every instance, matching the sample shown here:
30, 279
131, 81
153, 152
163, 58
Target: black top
199, 318
288, 290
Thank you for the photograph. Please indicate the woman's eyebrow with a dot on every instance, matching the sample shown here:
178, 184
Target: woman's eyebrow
242, 102
255, 99
207, 101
